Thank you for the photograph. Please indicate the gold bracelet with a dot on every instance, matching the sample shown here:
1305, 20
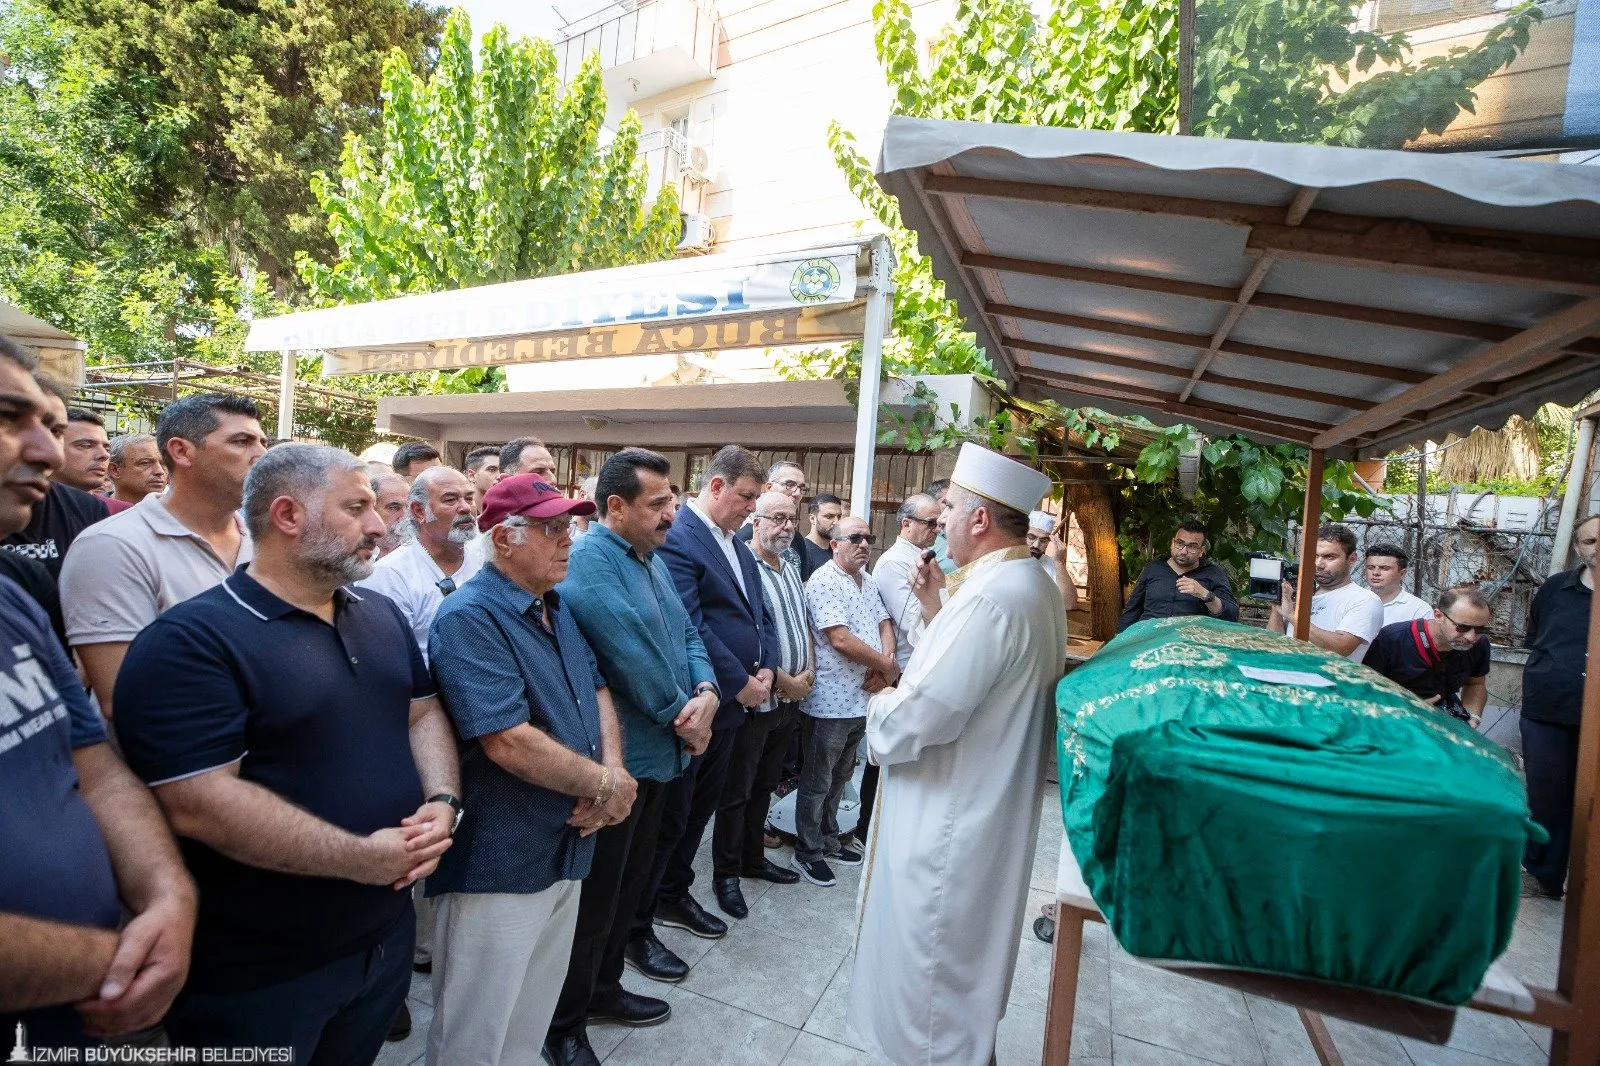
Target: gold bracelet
601, 795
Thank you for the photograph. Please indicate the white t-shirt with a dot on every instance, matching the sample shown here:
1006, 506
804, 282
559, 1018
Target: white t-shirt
1350, 609
409, 576
836, 600
1404, 607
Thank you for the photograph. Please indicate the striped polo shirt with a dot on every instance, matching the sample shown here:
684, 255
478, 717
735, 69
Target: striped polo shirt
786, 598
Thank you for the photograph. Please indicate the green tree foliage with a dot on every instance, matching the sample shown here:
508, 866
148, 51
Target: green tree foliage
1096, 64
86, 240
486, 174
1247, 493
1280, 70
258, 93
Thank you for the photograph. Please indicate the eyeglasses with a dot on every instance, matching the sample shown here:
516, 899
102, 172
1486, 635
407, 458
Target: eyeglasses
929, 522
553, 528
860, 538
1185, 546
791, 486
778, 519
445, 585
1467, 629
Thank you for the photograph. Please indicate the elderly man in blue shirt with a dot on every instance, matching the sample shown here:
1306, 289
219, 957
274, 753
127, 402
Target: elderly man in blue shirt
541, 773
660, 677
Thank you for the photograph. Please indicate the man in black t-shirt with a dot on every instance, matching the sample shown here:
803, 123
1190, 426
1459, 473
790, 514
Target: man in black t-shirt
65, 511
80, 836
1444, 660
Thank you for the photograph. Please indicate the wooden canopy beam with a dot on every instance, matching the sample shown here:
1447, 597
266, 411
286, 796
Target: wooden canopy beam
1557, 264
1526, 350
1200, 340
1304, 305
1412, 248
1167, 402
1150, 366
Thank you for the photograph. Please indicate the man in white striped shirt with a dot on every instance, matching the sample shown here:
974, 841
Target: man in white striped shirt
756, 764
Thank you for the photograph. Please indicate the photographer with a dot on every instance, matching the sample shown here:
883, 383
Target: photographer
1444, 660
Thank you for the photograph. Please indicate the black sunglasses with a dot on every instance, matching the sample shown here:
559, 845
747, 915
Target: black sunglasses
1468, 629
445, 585
860, 538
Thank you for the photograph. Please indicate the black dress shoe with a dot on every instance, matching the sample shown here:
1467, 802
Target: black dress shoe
771, 871
654, 959
687, 914
571, 1050
630, 1009
730, 898
402, 1024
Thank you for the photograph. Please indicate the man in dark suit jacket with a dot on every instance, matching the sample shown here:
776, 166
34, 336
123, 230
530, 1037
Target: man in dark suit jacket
717, 577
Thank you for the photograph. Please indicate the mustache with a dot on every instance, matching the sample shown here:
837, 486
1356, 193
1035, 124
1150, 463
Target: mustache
25, 472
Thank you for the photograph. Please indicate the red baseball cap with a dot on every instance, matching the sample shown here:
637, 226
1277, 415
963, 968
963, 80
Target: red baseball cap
526, 494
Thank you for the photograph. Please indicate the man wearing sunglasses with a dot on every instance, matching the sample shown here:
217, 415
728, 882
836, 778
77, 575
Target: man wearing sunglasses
1444, 659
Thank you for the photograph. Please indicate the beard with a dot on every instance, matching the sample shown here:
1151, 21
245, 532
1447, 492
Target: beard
326, 554
778, 543
462, 530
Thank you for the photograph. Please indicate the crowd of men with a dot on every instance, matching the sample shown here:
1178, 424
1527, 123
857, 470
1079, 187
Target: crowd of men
283, 726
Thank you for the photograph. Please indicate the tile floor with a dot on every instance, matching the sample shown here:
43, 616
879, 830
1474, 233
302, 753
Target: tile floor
772, 993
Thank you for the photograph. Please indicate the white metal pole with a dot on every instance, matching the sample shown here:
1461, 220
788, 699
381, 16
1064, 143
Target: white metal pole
880, 290
286, 396
1577, 476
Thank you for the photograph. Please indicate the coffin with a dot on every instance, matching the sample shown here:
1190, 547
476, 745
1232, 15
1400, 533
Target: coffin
1326, 825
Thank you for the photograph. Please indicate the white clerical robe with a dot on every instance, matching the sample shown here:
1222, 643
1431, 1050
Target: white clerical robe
962, 741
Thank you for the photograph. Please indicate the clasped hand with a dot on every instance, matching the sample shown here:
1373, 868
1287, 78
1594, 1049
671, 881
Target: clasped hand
591, 817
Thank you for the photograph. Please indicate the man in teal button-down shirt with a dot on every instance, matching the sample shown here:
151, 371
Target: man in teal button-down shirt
651, 656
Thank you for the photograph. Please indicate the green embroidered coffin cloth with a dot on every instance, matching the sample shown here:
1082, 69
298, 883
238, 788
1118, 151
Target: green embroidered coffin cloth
1347, 833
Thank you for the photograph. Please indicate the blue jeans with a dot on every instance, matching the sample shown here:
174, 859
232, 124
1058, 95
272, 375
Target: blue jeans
336, 1015
830, 748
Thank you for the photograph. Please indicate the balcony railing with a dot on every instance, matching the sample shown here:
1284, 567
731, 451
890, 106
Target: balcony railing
645, 48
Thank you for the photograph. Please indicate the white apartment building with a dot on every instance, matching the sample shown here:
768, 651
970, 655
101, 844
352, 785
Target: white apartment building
735, 98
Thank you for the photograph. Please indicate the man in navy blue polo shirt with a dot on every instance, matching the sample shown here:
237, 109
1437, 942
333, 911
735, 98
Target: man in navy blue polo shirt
542, 768
1443, 660
1552, 707
76, 828
290, 730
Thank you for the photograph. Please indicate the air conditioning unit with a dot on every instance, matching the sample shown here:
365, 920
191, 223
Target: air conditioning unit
694, 234
696, 167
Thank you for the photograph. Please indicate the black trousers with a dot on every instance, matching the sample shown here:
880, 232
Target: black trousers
869, 795
336, 1015
1550, 756
623, 856
691, 801
754, 769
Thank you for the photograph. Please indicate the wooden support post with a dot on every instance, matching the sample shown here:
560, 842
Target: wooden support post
1310, 518
1578, 978
1065, 955
1321, 1039
1092, 506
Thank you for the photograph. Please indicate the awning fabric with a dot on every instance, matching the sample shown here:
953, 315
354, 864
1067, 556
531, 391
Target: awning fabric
702, 304
1349, 299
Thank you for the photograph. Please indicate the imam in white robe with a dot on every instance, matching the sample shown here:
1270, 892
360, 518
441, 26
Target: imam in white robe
962, 741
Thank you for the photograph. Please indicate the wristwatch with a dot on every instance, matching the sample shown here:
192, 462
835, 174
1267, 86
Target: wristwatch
454, 804
705, 686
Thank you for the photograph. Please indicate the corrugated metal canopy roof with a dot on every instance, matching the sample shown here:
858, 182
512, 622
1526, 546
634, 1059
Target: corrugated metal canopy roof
1349, 299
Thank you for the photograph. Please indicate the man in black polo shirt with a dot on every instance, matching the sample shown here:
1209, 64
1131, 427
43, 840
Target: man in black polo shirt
1444, 660
291, 732
1187, 583
1552, 704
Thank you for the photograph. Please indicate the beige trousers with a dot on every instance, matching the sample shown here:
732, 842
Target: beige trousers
499, 961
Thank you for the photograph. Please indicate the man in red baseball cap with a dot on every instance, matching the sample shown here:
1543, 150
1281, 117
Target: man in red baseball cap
541, 772
530, 496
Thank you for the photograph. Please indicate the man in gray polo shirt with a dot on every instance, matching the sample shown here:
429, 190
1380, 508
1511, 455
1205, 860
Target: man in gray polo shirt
122, 573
